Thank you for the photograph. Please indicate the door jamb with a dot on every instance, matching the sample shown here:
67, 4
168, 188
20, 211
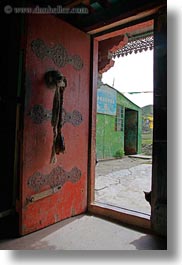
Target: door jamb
122, 215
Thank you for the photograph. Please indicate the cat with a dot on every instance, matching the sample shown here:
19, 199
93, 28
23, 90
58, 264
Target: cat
148, 196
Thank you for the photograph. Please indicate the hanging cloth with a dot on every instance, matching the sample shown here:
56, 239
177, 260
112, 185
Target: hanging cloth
58, 145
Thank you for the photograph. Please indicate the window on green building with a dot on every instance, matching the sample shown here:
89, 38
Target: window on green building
119, 121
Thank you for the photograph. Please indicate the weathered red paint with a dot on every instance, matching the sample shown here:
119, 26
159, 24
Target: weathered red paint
37, 139
110, 45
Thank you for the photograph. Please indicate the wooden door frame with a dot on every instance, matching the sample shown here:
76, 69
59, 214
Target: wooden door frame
121, 215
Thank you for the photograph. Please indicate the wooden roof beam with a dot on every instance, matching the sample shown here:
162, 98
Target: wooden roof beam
104, 3
76, 3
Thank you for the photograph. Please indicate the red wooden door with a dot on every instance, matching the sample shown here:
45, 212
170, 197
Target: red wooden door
52, 192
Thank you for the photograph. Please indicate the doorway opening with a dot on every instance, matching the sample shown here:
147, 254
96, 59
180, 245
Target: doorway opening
123, 171
131, 132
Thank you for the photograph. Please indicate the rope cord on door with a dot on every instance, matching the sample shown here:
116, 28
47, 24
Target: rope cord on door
56, 80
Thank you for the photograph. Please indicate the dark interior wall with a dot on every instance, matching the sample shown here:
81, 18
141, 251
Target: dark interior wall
9, 100
9, 58
159, 180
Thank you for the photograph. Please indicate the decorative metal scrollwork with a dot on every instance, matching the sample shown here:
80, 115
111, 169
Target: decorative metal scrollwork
75, 117
58, 54
57, 176
39, 114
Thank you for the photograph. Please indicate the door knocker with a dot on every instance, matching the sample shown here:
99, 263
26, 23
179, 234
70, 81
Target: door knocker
56, 80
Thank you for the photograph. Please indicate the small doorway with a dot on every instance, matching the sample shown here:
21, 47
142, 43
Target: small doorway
131, 132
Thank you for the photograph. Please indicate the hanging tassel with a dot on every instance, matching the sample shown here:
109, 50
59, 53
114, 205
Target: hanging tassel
56, 121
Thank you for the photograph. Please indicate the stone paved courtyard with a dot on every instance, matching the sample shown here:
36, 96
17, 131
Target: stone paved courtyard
121, 183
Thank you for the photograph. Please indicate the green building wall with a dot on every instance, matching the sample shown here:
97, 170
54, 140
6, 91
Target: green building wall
110, 142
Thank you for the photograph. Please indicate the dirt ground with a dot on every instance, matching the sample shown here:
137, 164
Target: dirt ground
108, 166
122, 182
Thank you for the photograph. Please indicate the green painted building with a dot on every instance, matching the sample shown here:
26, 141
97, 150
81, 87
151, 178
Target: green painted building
118, 124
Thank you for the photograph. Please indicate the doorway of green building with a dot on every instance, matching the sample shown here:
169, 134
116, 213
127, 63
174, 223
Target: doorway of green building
131, 132
123, 136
